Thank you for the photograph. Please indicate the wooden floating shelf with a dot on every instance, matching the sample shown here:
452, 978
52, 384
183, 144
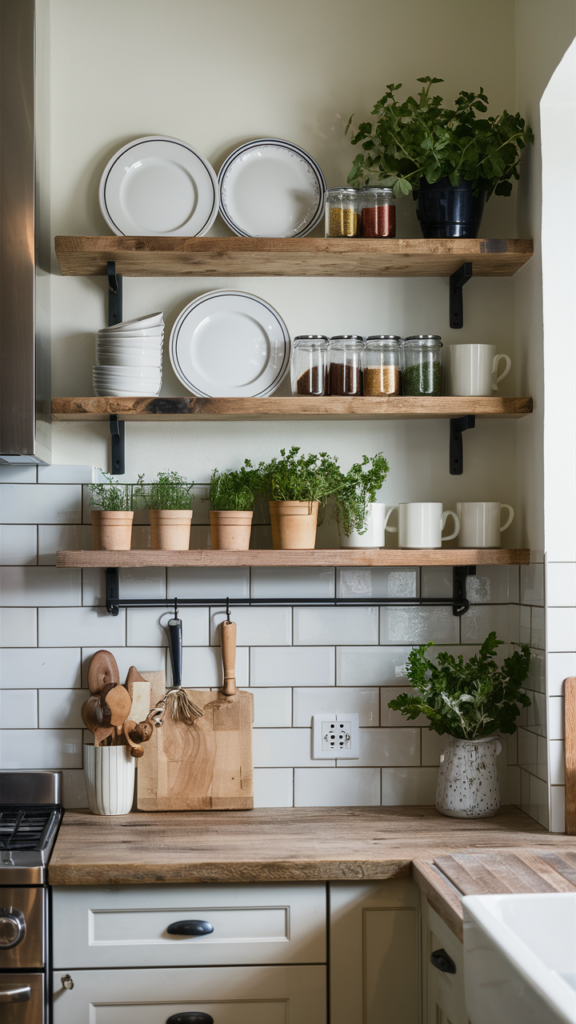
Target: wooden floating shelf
80, 255
287, 408
352, 557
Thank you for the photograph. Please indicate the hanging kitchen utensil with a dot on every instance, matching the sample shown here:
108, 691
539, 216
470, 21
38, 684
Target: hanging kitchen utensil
102, 671
177, 702
174, 629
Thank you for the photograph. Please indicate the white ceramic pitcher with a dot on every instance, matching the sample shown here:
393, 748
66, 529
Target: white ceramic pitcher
468, 778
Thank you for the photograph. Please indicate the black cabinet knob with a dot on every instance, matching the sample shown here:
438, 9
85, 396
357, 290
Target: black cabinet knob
190, 1018
440, 959
190, 928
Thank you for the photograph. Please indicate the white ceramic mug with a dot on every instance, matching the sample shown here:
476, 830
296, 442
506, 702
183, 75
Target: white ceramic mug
376, 526
480, 523
110, 779
420, 524
474, 369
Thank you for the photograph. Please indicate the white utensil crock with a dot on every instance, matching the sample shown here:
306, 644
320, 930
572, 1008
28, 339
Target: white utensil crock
376, 526
110, 776
468, 778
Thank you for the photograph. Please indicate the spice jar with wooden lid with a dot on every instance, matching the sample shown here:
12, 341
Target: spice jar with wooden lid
378, 213
421, 372
309, 365
342, 213
345, 356
381, 365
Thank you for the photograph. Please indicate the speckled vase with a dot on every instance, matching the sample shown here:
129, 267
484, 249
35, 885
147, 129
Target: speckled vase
468, 778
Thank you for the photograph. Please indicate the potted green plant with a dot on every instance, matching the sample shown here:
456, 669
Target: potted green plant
169, 499
362, 520
449, 158
296, 486
469, 702
112, 515
231, 509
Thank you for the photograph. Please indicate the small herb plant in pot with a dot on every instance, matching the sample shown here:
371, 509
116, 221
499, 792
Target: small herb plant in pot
296, 486
468, 702
451, 159
231, 509
112, 515
361, 519
169, 499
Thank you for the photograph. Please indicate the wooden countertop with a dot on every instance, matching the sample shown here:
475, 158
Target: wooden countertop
290, 845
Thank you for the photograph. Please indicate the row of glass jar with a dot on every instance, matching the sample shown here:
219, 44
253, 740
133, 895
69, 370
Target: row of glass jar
360, 212
380, 365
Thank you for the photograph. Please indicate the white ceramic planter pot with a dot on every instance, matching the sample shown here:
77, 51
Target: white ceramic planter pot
110, 777
376, 527
468, 778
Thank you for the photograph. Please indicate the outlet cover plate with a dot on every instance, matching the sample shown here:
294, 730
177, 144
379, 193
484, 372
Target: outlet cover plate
336, 736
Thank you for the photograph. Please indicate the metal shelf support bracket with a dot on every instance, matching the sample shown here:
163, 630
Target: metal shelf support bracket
457, 282
457, 426
460, 574
118, 446
114, 295
112, 591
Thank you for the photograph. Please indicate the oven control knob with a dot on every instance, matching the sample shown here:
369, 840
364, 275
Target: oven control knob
12, 927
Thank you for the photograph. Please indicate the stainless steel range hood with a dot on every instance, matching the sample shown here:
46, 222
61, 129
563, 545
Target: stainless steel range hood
24, 339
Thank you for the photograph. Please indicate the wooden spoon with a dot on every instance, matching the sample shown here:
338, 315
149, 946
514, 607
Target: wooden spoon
135, 749
103, 671
118, 702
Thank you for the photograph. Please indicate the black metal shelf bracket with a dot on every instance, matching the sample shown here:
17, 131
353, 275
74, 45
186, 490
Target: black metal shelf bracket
457, 426
457, 282
458, 602
118, 446
114, 294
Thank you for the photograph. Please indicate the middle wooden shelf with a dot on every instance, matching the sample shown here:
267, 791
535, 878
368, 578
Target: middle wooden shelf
351, 557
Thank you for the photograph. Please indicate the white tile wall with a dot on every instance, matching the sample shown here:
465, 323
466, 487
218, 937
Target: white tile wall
61, 538
561, 629
284, 748
331, 701
51, 503
145, 626
559, 668
18, 474
84, 627
419, 625
410, 786
561, 584
347, 787
19, 709
371, 666
291, 666
269, 626
39, 667
269, 582
212, 583
532, 584
396, 582
273, 787
18, 545
34, 585
60, 709
18, 627
41, 748
399, 747
336, 626
273, 708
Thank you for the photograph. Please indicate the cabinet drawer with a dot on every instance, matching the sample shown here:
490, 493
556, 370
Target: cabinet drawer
230, 995
126, 926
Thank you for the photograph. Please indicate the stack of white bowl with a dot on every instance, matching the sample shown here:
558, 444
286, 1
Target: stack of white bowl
130, 358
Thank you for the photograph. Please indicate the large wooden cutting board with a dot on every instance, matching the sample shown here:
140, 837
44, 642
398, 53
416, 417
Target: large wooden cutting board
203, 767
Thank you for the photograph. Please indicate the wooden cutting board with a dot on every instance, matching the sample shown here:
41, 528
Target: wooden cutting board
202, 767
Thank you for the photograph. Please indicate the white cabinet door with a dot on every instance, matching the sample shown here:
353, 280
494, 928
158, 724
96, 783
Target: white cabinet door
229, 995
126, 926
444, 1001
375, 953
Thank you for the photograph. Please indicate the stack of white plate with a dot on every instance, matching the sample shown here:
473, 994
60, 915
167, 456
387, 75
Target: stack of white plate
130, 358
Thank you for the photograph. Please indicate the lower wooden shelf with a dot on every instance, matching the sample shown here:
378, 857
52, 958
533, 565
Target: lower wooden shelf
362, 557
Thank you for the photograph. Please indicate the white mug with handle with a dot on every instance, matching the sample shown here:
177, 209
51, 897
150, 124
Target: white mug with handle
474, 369
420, 524
480, 523
376, 526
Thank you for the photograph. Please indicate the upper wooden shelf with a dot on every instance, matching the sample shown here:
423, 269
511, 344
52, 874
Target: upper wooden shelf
318, 557
191, 408
80, 255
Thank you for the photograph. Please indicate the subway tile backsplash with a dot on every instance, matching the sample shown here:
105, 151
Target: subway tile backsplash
298, 661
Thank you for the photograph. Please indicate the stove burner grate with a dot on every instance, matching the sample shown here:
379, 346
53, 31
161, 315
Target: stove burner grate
28, 828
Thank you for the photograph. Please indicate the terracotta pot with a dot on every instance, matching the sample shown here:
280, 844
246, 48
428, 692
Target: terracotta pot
230, 530
112, 531
293, 524
170, 530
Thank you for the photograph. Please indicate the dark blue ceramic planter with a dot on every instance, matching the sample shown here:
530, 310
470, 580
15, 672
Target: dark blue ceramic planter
448, 211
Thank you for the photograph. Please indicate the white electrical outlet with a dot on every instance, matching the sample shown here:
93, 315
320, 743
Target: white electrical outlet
336, 736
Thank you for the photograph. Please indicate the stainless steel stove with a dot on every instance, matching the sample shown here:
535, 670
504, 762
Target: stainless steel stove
30, 814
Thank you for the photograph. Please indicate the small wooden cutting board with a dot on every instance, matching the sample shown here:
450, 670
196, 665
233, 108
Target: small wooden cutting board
200, 767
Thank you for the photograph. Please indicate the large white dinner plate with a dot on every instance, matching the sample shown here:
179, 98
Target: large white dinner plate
158, 186
270, 188
230, 344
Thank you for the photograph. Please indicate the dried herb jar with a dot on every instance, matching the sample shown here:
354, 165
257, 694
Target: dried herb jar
421, 371
381, 365
345, 356
342, 211
378, 207
309, 365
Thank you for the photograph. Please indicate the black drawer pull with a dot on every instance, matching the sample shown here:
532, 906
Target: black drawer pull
440, 959
190, 1018
190, 928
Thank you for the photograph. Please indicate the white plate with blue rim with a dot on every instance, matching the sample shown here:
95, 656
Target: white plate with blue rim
157, 185
270, 188
230, 344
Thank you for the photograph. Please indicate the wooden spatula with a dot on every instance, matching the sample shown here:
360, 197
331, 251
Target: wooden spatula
228, 640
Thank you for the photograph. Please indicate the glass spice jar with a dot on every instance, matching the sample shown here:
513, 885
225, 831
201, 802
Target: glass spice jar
421, 372
345, 355
309, 365
378, 213
381, 365
342, 213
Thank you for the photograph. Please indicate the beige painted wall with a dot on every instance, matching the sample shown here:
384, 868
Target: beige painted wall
216, 75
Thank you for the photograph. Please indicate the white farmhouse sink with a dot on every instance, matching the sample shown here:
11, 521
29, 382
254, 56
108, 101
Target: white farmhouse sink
520, 958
